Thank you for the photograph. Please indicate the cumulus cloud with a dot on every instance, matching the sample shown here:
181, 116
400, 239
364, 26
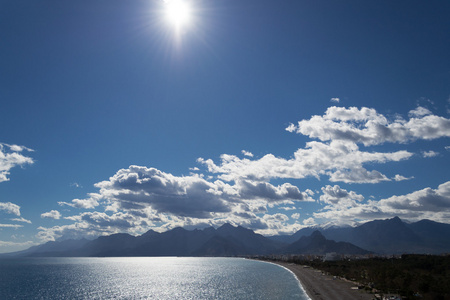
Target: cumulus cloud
10, 208
430, 153
118, 220
287, 208
424, 201
93, 224
336, 100
368, 127
291, 128
53, 214
247, 153
339, 160
139, 197
7, 246
11, 157
427, 203
398, 177
338, 201
88, 203
309, 222
265, 190
419, 112
140, 187
336, 195
241, 191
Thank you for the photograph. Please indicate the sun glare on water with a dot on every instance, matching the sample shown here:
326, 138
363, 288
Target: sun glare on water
178, 13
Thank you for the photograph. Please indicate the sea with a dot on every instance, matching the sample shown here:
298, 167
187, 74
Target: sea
146, 278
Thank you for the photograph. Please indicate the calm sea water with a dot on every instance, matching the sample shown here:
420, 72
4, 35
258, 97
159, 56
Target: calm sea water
146, 278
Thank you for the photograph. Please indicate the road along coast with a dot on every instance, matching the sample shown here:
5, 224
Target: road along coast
320, 286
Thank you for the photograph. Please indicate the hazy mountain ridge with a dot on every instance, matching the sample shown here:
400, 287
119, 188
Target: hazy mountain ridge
226, 240
391, 236
316, 243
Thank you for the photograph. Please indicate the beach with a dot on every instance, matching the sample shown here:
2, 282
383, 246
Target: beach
320, 286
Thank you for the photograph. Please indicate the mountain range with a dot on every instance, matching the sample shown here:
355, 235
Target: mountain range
391, 236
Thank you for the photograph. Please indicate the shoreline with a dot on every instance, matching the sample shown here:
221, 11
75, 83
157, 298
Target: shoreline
319, 286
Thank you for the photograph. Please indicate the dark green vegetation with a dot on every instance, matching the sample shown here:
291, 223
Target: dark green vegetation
412, 276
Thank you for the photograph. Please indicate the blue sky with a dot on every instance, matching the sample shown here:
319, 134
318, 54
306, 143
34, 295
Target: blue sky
273, 115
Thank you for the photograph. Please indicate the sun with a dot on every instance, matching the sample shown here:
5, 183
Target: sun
178, 13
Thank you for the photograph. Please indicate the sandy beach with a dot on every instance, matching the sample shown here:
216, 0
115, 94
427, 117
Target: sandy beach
319, 286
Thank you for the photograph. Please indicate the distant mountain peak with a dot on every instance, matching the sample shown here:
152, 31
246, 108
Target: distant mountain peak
178, 229
317, 234
226, 226
316, 243
150, 233
396, 219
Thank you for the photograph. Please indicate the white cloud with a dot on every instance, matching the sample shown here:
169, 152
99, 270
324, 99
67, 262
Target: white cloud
140, 187
265, 190
309, 222
295, 216
336, 195
93, 224
427, 203
17, 148
419, 112
10, 226
53, 214
340, 160
287, 208
21, 220
430, 153
423, 201
11, 157
247, 153
291, 128
10, 208
6, 246
338, 201
368, 127
5, 243
118, 220
88, 203
140, 197
75, 230
241, 192
335, 100
402, 178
